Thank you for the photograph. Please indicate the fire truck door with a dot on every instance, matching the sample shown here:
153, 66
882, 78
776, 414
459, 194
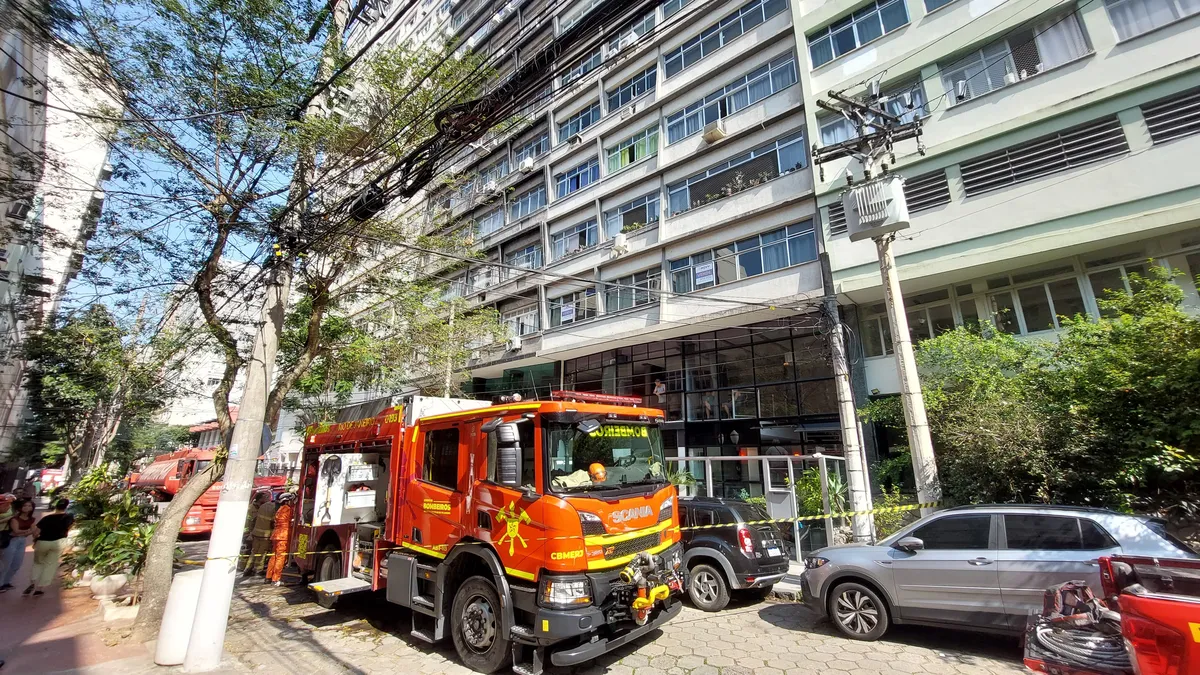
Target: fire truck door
436, 498
510, 518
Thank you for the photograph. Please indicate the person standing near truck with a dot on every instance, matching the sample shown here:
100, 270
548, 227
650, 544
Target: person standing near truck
280, 534
260, 542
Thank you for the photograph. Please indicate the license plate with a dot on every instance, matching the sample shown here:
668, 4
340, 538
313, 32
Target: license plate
774, 553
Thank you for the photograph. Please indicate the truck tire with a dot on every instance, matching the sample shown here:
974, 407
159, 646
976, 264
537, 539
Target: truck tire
329, 564
707, 588
475, 623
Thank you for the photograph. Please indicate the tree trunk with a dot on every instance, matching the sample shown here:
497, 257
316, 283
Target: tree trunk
160, 556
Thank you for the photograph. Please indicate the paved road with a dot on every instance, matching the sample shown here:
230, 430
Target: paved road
281, 630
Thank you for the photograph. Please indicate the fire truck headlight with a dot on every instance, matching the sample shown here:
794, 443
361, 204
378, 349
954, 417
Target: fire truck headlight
563, 592
192, 520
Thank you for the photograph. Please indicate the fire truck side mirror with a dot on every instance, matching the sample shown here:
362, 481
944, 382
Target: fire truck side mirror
508, 455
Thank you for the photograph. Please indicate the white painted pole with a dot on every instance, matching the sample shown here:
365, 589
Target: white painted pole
919, 441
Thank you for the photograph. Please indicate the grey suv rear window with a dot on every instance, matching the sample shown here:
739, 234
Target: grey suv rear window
956, 532
1054, 533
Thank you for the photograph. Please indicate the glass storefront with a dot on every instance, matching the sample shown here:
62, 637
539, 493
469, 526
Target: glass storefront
762, 389
531, 382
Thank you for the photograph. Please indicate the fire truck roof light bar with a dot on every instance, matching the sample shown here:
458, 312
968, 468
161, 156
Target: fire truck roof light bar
592, 397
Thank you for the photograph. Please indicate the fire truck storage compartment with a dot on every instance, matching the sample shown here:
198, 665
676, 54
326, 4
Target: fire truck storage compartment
342, 499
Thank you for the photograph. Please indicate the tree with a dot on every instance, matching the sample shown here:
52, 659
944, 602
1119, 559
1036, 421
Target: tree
86, 376
1101, 416
221, 171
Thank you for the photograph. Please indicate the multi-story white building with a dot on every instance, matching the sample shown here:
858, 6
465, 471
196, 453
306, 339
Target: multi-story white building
1059, 155
654, 228
52, 167
649, 227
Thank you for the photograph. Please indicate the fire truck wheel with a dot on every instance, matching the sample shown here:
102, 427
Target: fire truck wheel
475, 622
329, 564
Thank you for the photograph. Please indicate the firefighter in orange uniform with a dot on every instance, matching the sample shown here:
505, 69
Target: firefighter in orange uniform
280, 535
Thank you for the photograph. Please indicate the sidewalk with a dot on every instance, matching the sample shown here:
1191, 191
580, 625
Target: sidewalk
59, 631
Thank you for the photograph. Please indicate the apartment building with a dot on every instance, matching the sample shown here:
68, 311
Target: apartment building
52, 169
1059, 145
648, 227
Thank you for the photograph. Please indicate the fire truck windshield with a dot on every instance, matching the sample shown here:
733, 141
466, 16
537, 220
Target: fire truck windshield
606, 456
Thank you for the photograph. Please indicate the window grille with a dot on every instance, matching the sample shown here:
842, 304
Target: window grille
1173, 117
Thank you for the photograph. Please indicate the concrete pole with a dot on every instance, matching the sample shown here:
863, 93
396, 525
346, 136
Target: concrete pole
859, 482
919, 442
207, 639
450, 352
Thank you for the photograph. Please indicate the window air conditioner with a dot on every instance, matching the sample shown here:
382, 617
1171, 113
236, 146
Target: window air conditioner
714, 131
526, 165
875, 208
513, 344
575, 139
626, 40
620, 245
490, 187
628, 111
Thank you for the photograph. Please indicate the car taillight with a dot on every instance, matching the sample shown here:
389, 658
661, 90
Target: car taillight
745, 541
1108, 581
1154, 649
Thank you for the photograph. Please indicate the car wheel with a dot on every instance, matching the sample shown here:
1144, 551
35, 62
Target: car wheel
707, 588
475, 625
858, 612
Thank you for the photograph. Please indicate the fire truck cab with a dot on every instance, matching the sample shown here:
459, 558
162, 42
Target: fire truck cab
522, 531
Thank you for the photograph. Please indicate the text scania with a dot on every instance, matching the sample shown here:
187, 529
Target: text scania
625, 515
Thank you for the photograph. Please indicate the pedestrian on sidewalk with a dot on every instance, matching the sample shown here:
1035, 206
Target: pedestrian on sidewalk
19, 529
49, 542
260, 542
280, 535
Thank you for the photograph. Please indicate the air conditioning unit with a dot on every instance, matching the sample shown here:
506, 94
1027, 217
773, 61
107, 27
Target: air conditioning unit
620, 245
875, 208
626, 40
449, 30
490, 187
513, 344
575, 139
714, 131
628, 111
526, 165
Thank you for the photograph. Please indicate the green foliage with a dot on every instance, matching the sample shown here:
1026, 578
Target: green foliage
679, 475
895, 471
888, 522
114, 526
1102, 416
760, 501
808, 492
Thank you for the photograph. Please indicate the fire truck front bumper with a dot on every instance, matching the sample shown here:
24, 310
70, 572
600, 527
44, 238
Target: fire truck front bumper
589, 650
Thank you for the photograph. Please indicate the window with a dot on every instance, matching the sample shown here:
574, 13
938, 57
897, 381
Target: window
578, 178
525, 433
1103, 282
632, 291
1040, 306
1173, 117
672, 6
855, 30
586, 65
527, 203
632, 88
906, 103
573, 307
489, 222
522, 322
441, 458
631, 32
576, 14
740, 173
1019, 55
1131, 18
931, 5
1060, 151
743, 92
529, 257
1054, 533
633, 149
578, 122
631, 215
573, 239
956, 532
929, 315
760, 254
720, 34
532, 148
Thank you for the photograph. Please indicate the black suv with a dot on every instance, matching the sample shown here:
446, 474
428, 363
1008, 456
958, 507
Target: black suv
739, 557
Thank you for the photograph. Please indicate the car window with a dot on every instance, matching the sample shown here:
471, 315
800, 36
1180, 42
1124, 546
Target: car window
1042, 533
956, 532
1160, 528
747, 512
702, 517
1094, 536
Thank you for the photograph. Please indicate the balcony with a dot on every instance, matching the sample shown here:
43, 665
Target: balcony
767, 196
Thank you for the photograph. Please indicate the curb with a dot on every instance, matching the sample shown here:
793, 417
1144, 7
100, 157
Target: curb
785, 595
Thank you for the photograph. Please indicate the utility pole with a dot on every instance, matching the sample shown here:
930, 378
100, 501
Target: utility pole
450, 352
207, 639
876, 209
862, 526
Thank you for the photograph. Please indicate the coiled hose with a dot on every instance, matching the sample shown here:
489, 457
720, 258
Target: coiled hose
1092, 649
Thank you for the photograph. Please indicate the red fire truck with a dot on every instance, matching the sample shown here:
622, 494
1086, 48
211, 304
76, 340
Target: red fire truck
521, 531
163, 478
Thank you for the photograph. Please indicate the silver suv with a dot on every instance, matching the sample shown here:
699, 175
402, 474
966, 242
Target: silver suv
977, 567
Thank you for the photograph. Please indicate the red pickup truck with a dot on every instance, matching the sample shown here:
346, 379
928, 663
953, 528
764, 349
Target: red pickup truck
1158, 600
